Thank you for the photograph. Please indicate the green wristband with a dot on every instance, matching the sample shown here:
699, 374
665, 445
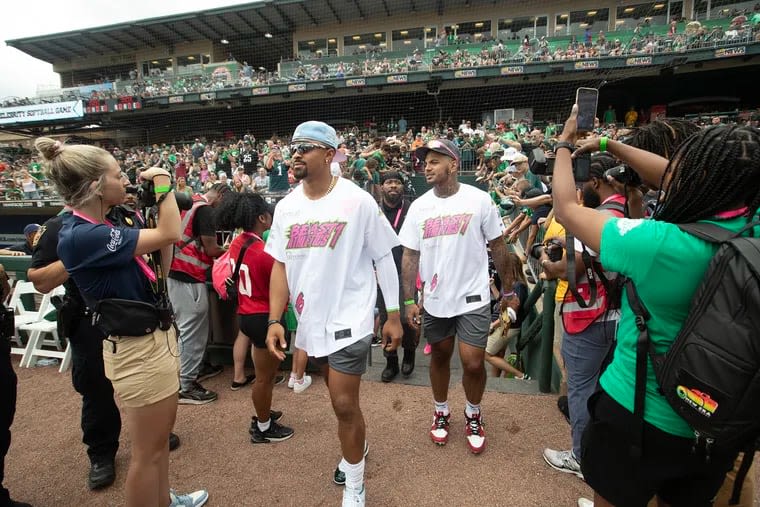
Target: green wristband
162, 189
409, 302
603, 144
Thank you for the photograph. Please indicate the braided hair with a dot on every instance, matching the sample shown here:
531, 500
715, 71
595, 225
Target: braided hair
662, 137
241, 210
715, 170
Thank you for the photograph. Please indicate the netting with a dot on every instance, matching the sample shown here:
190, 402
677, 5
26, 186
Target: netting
504, 80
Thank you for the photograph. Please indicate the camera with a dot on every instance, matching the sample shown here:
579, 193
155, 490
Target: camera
543, 165
552, 247
624, 174
507, 204
146, 196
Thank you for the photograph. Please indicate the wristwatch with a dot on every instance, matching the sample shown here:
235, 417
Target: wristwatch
564, 144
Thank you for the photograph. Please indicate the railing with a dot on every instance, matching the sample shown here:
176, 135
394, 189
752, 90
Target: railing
536, 339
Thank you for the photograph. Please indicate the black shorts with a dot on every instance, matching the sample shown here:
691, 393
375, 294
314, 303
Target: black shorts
668, 468
254, 326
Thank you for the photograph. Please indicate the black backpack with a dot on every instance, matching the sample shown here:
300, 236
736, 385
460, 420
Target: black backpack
711, 373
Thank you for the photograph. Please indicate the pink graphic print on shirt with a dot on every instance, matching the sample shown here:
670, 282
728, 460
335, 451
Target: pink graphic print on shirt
315, 235
446, 225
299, 303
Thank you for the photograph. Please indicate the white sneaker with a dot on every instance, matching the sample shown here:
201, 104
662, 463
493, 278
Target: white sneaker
291, 381
585, 502
353, 497
300, 386
194, 499
564, 461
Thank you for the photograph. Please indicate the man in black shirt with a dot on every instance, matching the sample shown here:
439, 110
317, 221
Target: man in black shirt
395, 207
101, 422
249, 158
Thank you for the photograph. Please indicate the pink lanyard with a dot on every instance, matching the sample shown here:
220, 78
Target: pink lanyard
398, 216
726, 215
138, 259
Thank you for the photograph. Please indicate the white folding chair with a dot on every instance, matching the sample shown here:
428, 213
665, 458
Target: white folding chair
44, 333
22, 315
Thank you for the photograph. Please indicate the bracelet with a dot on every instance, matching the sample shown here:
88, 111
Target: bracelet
603, 144
272, 322
508, 294
162, 189
392, 310
409, 302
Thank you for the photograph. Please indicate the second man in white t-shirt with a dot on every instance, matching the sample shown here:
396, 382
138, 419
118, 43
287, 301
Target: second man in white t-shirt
445, 238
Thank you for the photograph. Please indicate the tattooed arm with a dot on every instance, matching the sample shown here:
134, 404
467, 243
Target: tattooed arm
410, 264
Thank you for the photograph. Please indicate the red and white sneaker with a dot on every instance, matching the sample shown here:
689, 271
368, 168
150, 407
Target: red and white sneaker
473, 431
439, 431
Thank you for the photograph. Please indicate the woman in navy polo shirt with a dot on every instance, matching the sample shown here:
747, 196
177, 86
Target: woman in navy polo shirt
107, 262
711, 177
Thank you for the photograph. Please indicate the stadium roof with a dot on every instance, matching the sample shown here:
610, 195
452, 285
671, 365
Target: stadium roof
245, 22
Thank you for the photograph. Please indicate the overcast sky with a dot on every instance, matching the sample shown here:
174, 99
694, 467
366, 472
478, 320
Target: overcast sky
21, 74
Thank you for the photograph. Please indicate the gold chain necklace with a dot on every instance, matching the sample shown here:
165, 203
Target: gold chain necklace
332, 185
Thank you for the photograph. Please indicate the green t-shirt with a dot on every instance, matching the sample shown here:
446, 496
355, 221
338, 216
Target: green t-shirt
667, 265
508, 136
534, 180
278, 177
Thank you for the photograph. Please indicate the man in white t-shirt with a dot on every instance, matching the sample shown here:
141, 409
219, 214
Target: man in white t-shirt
445, 237
325, 236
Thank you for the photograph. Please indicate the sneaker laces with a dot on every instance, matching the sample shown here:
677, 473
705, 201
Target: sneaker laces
475, 425
441, 421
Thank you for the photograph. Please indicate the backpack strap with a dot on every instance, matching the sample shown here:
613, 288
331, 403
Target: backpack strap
707, 231
741, 474
588, 264
239, 261
644, 350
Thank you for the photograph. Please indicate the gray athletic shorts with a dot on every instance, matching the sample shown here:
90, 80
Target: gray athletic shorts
471, 327
351, 360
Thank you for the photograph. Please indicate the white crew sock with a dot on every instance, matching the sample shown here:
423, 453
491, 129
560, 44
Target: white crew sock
263, 426
471, 410
442, 406
354, 473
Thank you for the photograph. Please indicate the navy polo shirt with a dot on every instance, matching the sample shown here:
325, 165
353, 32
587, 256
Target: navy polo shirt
100, 259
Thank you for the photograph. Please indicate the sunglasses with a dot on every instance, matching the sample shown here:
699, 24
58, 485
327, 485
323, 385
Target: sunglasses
304, 148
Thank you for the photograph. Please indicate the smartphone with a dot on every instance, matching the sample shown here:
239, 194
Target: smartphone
587, 100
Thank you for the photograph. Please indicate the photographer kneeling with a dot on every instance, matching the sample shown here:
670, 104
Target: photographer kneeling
106, 262
589, 314
712, 177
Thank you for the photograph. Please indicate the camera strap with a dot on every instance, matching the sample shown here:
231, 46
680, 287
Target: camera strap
588, 264
149, 273
158, 282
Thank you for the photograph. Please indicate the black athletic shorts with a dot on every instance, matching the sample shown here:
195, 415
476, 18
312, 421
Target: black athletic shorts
254, 326
668, 468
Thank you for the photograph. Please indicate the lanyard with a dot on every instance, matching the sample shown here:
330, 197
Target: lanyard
138, 259
398, 216
725, 215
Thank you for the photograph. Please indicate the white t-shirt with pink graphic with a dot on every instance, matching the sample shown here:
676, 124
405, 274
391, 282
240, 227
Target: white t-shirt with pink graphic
328, 246
452, 236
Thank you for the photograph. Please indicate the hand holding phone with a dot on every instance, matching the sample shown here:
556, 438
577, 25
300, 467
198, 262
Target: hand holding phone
587, 100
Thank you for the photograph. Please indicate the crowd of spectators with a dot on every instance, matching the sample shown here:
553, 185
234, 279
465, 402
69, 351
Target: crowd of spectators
250, 165
450, 52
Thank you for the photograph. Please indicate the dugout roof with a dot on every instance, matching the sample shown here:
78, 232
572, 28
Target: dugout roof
238, 24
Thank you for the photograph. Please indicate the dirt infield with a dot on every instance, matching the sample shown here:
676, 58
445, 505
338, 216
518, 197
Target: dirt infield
47, 463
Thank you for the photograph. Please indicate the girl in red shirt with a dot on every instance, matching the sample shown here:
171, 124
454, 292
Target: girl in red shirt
250, 212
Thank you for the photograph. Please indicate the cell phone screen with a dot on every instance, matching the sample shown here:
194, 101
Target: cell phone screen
587, 99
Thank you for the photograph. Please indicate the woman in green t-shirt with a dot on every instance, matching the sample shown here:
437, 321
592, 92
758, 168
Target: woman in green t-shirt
712, 177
